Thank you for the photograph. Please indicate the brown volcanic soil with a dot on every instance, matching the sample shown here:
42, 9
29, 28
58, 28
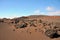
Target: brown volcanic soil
9, 32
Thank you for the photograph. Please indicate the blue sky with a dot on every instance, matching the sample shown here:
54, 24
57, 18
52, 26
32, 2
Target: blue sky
16, 8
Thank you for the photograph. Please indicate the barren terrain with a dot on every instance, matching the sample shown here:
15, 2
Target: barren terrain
10, 28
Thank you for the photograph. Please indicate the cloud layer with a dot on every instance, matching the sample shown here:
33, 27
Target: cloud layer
49, 8
50, 11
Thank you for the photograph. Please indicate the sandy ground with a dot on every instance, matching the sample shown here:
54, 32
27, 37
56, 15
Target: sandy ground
7, 33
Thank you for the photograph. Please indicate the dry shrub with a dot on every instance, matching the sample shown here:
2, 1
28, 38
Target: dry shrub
40, 21
32, 23
22, 25
13, 29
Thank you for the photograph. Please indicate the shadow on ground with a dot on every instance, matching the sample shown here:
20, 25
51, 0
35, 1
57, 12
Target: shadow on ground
56, 35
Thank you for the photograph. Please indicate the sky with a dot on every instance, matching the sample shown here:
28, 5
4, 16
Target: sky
18, 8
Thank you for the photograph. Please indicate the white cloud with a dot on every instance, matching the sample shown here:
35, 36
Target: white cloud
49, 8
14, 15
50, 13
38, 12
53, 13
